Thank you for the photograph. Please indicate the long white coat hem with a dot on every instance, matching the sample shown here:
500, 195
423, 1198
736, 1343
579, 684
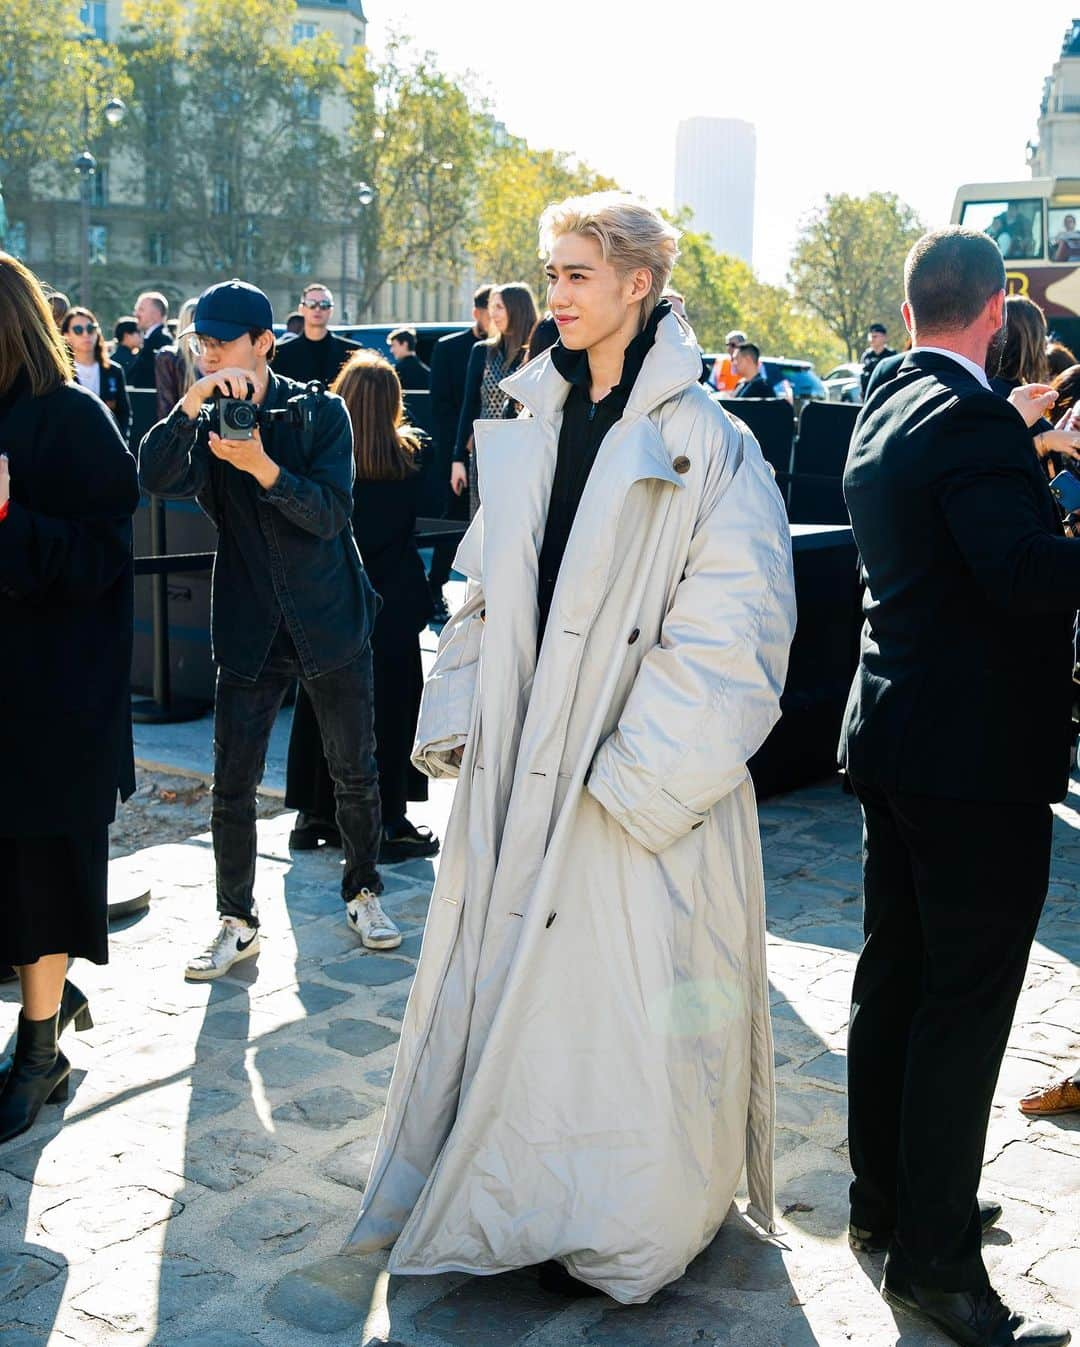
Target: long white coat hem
585, 1067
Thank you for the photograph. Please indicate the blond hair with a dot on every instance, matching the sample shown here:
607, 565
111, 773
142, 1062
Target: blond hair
631, 235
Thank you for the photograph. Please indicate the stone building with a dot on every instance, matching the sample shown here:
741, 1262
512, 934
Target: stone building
130, 248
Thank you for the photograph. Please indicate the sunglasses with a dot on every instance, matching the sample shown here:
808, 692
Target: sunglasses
318, 303
79, 328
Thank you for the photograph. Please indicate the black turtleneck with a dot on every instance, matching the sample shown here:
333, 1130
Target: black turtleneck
584, 426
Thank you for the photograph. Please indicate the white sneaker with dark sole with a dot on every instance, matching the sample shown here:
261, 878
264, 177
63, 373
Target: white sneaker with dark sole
365, 916
235, 940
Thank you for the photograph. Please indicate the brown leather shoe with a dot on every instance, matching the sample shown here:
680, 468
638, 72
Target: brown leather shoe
1061, 1097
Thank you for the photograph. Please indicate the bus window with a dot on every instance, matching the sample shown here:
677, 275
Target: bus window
1015, 226
1064, 234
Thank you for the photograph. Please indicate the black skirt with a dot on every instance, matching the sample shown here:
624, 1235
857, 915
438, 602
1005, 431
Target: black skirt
54, 897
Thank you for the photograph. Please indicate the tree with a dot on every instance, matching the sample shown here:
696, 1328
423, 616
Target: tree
46, 60
233, 162
722, 293
518, 184
847, 266
415, 137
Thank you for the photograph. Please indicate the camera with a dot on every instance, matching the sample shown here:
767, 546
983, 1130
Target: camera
237, 418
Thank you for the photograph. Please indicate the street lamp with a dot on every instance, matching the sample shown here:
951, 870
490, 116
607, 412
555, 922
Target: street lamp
365, 195
85, 165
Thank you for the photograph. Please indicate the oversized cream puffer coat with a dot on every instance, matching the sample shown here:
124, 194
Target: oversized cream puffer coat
586, 1065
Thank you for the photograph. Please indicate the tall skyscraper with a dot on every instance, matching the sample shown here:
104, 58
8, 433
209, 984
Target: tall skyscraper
715, 162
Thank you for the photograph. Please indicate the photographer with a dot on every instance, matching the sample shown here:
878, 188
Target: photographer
290, 599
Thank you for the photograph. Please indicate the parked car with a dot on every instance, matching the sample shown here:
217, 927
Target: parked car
800, 375
373, 335
843, 384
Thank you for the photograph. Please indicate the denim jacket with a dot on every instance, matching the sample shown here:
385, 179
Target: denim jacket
284, 554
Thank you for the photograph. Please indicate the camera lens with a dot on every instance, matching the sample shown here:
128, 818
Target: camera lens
240, 416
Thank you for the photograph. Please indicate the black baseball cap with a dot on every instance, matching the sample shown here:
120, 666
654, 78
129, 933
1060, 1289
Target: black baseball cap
878, 327
229, 309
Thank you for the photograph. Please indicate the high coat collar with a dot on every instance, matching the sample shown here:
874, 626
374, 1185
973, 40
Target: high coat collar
672, 364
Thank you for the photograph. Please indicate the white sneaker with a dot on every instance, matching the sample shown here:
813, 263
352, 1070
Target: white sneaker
365, 916
235, 940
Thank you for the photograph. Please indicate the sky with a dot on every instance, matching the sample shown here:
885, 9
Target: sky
914, 98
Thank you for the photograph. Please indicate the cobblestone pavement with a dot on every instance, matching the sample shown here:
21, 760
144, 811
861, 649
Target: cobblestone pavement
213, 1152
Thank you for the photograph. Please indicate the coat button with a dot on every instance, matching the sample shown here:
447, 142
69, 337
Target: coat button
634, 635
681, 464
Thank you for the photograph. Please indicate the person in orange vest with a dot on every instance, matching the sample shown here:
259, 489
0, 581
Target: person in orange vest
723, 377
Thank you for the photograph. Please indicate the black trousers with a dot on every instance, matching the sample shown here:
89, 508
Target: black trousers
244, 715
398, 685
457, 507
954, 890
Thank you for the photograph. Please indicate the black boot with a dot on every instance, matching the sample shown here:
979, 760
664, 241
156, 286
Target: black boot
74, 1008
39, 1075
310, 831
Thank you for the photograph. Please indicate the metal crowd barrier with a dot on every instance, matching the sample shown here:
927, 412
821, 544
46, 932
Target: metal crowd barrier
162, 708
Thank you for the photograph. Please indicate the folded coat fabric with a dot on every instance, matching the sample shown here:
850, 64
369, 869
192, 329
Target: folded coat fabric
585, 1065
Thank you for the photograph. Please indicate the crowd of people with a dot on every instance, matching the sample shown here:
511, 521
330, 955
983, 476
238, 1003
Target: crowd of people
618, 659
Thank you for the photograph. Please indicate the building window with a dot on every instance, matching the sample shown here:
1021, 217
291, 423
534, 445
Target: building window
358, 37
92, 16
303, 260
304, 32
308, 104
99, 185
14, 241
157, 188
97, 239
158, 252
220, 194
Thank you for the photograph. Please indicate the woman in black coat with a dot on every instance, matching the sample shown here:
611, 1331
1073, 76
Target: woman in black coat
93, 368
385, 495
512, 319
68, 489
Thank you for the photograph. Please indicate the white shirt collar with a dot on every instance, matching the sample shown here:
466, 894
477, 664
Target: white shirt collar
976, 371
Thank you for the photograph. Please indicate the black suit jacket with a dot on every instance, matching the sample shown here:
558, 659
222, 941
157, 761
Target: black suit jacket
413, 374
449, 361
757, 387
141, 374
964, 685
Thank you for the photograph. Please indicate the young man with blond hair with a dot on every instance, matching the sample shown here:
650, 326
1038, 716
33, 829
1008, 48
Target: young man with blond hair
586, 1064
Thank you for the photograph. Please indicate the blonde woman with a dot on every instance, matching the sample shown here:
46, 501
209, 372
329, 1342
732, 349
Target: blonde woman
176, 367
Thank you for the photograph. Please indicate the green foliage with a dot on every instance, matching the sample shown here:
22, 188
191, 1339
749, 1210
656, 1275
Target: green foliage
415, 137
517, 184
722, 293
233, 159
47, 63
848, 263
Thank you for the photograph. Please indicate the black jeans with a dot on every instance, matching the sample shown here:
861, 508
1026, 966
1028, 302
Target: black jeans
954, 890
244, 714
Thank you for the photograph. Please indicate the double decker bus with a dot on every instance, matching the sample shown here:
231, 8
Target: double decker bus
1036, 225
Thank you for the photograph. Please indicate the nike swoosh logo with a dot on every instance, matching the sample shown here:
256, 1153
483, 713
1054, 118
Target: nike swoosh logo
242, 945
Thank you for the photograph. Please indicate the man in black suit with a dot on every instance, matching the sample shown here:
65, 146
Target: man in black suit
874, 354
151, 310
315, 353
449, 361
746, 362
956, 738
411, 371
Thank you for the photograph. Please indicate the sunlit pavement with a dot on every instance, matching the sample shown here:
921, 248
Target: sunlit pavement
216, 1143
